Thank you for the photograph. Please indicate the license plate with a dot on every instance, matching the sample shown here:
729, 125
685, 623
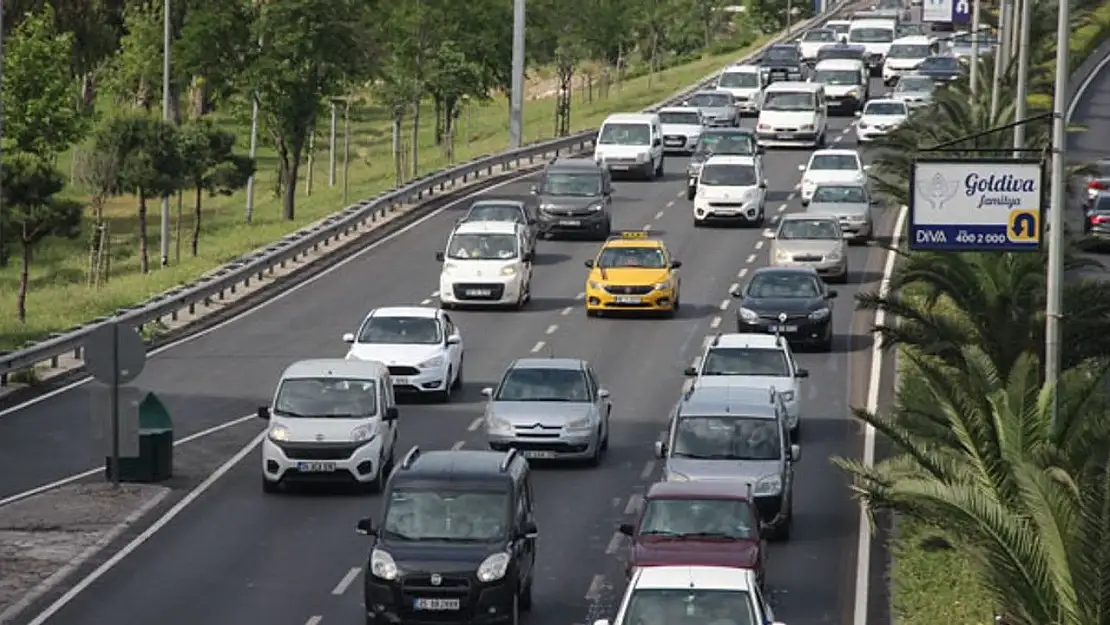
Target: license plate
400, 381
315, 467
783, 328
570, 222
479, 292
629, 299
538, 454
436, 604
785, 137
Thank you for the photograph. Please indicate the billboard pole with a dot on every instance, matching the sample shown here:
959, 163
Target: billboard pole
1054, 305
974, 79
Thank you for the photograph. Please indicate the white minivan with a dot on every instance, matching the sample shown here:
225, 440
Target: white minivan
793, 114
330, 420
631, 143
876, 36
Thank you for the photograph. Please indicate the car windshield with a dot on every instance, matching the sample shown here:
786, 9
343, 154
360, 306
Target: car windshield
727, 518
1102, 204
1102, 169
726, 144
908, 51
915, 84
447, 515
746, 361
739, 80
632, 257
963, 40
819, 35
808, 229
837, 76
727, 438
837, 52
326, 398
689, 606
482, 247
911, 30
789, 101
848, 194
538, 384
400, 331
782, 53
710, 100
871, 35
728, 176
885, 108
496, 212
940, 62
784, 285
834, 162
625, 134
689, 118
576, 185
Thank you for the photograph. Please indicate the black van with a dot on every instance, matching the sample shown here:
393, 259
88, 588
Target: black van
457, 541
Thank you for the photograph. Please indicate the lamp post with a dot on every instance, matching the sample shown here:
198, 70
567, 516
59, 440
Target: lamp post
1054, 307
516, 98
167, 40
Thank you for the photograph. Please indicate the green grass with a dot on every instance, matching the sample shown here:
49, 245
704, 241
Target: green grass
59, 298
932, 585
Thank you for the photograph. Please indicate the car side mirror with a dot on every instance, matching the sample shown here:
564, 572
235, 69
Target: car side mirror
656, 142
831, 295
487, 392
391, 414
534, 190
795, 453
529, 530
737, 292
627, 529
768, 234
264, 413
762, 184
690, 372
602, 393
365, 527
440, 256
759, 149
857, 114
589, 264
660, 449
801, 167
454, 339
801, 373
866, 168
675, 264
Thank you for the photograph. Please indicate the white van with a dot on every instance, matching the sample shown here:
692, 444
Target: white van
487, 263
793, 114
631, 143
905, 54
330, 420
745, 83
876, 35
846, 83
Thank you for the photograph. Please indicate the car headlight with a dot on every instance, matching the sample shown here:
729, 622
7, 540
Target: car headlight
363, 433
595, 285
508, 271
582, 423
808, 183
279, 433
642, 157
853, 93
382, 565
748, 315
787, 395
431, 363
807, 127
819, 314
833, 256
693, 169
863, 124
663, 286
547, 207
782, 255
497, 426
768, 486
494, 567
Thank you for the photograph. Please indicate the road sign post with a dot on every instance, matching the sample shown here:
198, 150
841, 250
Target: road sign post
976, 205
115, 355
961, 11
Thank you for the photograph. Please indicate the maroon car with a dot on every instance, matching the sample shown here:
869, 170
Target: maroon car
706, 522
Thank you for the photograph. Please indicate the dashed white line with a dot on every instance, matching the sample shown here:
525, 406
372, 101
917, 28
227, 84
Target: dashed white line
791, 196
596, 586
551, 329
781, 209
732, 287
797, 186
580, 296
435, 293
837, 139
425, 302
538, 346
751, 258
346, 582
724, 304
458, 445
649, 468
614, 543
846, 130
634, 503
671, 203
647, 227
314, 620
715, 322
759, 245
743, 272
474, 425
659, 215
679, 194
566, 311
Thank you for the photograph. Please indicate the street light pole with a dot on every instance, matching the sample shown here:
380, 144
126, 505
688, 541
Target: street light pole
974, 78
516, 98
1023, 73
167, 34
1054, 308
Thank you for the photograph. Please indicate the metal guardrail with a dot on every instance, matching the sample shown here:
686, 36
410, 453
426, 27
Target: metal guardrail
255, 266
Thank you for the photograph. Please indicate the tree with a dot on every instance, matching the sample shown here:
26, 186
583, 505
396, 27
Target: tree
214, 43
150, 164
29, 184
211, 166
134, 72
41, 114
309, 53
98, 173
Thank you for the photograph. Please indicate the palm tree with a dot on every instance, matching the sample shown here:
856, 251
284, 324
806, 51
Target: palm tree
981, 458
940, 302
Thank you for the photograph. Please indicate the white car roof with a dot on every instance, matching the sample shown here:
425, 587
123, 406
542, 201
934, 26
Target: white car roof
807, 216
748, 340
793, 86
697, 577
679, 109
731, 159
487, 227
835, 64
335, 367
913, 40
837, 22
746, 68
883, 101
426, 312
873, 23
835, 152
641, 118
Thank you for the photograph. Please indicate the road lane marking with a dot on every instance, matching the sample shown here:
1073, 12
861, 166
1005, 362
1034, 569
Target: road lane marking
649, 468
580, 296
759, 245
659, 215
846, 130
646, 227
347, 580
634, 503
751, 259
837, 139
724, 304
791, 196
797, 186
458, 445
538, 346
783, 207
679, 194
863, 548
474, 425
435, 293
732, 287
743, 272
715, 322
566, 311
425, 302
551, 329
314, 620
614, 543
597, 584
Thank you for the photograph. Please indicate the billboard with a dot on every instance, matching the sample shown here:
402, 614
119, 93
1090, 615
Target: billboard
976, 205
937, 10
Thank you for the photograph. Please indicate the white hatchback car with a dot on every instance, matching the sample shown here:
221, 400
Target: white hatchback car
699, 594
487, 263
831, 166
421, 346
879, 117
731, 189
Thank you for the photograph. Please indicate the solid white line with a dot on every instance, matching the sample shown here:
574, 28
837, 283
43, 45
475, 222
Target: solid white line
596, 584
551, 329
458, 445
751, 258
138, 541
634, 503
863, 548
724, 304
715, 322
474, 425
567, 311
614, 543
1083, 88
649, 468
538, 346
347, 580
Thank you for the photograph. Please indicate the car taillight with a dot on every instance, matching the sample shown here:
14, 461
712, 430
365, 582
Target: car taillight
1099, 219
1096, 185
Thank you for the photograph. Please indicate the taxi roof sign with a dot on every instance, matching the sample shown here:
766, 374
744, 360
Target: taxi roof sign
630, 234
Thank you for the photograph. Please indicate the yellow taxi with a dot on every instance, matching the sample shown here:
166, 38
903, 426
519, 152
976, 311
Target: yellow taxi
632, 272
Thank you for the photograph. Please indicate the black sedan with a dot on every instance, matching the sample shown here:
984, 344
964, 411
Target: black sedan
942, 69
791, 301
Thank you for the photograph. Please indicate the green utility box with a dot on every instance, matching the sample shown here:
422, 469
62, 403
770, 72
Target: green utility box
155, 461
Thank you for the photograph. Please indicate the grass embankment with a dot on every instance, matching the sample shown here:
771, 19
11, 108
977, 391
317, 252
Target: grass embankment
60, 299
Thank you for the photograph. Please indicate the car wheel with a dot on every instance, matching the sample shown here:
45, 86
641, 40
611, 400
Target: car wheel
377, 484
526, 598
699, 223
444, 396
592, 313
269, 487
827, 344
595, 459
796, 434
605, 441
691, 193
514, 618
659, 169
457, 383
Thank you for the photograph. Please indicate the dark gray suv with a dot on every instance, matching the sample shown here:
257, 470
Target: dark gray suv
574, 197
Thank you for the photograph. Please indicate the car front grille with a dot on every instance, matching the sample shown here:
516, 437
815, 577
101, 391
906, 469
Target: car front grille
726, 205
479, 292
789, 317
808, 258
403, 370
318, 451
628, 290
